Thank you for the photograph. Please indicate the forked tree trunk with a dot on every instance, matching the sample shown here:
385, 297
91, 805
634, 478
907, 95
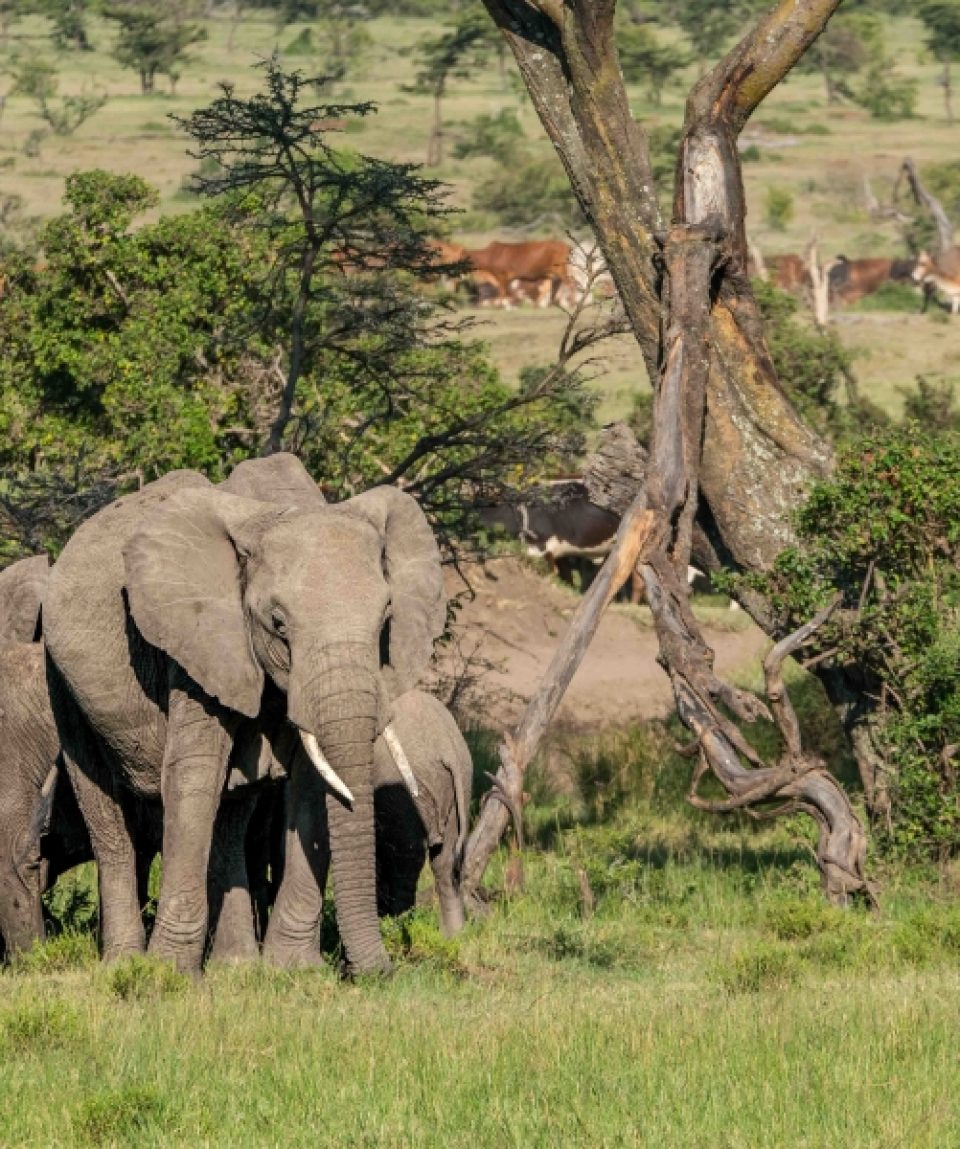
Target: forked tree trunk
729, 453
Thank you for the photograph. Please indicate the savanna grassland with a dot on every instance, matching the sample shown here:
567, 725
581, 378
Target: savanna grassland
710, 998
659, 977
818, 154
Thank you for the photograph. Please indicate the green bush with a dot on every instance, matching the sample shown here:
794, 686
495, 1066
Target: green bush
121, 1116
778, 208
810, 364
139, 978
35, 1027
73, 949
884, 533
759, 967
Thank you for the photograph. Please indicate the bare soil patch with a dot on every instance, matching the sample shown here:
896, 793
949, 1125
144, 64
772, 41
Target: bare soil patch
516, 619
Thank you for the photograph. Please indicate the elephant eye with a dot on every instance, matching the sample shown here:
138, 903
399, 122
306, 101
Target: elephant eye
279, 622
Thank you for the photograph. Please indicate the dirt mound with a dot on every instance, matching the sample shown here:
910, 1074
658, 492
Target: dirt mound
516, 619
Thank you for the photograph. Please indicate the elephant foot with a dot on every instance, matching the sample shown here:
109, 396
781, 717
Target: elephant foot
117, 948
181, 943
381, 967
293, 957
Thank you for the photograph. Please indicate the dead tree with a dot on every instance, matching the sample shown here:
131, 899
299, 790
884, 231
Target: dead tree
924, 198
729, 455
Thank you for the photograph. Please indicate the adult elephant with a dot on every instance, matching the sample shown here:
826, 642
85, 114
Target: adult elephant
185, 618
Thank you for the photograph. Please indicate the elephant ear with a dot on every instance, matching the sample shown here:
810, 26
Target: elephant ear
184, 589
411, 563
22, 587
279, 478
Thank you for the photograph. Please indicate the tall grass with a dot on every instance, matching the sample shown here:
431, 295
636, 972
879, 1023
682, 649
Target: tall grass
706, 996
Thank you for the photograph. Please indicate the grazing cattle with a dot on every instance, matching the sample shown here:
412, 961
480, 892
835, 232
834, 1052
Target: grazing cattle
556, 523
788, 273
522, 264
852, 279
560, 525
940, 276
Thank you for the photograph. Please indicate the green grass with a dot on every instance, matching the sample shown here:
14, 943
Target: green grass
708, 998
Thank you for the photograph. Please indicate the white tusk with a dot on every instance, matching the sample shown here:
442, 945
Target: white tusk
396, 750
327, 772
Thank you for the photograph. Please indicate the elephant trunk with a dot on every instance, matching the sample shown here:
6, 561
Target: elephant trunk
343, 710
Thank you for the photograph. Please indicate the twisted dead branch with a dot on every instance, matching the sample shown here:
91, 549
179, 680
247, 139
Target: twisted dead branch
688, 299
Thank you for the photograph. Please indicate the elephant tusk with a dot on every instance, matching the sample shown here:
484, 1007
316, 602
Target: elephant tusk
396, 752
327, 772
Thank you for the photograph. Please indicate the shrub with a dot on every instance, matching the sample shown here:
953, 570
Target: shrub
762, 966
884, 533
885, 94
779, 208
114, 1116
795, 919
39, 1026
810, 364
139, 977
73, 949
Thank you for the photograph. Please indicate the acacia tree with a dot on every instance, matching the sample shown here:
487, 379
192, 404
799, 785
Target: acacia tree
454, 54
942, 21
729, 457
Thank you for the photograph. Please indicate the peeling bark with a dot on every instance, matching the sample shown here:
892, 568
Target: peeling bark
729, 453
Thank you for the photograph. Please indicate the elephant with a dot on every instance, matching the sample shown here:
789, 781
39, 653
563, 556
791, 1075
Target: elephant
433, 823
190, 628
22, 586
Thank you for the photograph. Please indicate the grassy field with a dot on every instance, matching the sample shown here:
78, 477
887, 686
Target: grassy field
820, 155
711, 999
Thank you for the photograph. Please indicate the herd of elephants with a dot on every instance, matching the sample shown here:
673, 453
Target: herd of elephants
226, 673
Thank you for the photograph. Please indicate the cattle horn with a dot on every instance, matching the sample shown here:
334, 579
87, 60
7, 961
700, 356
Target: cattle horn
327, 772
400, 758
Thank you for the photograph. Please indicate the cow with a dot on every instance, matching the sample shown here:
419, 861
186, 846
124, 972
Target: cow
789, 272
521, 264
557, 523
852, 279
560, 525
939, 275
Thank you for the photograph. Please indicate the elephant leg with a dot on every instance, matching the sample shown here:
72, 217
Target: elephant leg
199, 740
293, 933
231, 925
447, 880
111, 836
21, 909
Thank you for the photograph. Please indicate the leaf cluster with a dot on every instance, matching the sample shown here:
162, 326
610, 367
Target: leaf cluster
293, 310
884, 532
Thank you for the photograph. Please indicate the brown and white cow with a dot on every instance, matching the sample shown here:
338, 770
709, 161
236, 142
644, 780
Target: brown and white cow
852, 279
940, 275
523, 267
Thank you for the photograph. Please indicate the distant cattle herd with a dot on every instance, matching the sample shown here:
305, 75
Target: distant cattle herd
552, 272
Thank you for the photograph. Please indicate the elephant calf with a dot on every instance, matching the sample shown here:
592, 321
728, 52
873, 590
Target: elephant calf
434, 823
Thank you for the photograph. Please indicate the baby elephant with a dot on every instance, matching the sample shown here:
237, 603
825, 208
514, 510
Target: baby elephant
422, 737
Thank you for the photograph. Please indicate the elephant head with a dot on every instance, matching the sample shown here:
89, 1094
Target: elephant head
338, 605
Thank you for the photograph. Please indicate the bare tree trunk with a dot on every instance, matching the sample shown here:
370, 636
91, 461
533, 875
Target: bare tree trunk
908, 171
728, 449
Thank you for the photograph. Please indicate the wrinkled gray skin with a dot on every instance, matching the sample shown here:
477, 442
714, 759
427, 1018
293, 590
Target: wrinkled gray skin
31, 802
435, 823
182, 624
42, 832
